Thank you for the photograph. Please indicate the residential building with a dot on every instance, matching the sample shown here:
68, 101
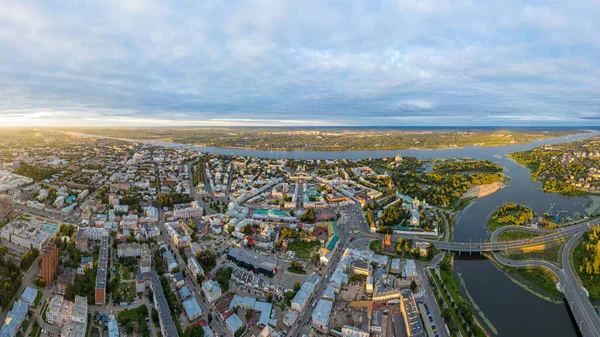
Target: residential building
49, 262
320, 315
187, 211
257, 263
300, 301
101, 273
349, 331
167, 326
195, 267
211, 290
192, 309
59, 311
410, 313
64, 280
14, 319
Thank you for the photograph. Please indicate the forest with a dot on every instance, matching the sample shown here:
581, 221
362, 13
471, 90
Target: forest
36, 172
442, 189
587, 262
468, 166
10, 278
394, 215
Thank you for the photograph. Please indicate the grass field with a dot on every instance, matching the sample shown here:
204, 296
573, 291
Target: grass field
304, 249
551, 253
375, 246
517, 235
538, 277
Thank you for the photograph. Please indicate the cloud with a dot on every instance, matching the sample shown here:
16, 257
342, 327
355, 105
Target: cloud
147, 62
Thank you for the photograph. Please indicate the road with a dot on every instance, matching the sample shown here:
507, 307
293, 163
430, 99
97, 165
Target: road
429, 297
581, 307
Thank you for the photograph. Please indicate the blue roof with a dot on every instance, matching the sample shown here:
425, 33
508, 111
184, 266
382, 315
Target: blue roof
113, 328
192, 309
234, 322
70, 198
29, 295
185, 293
178, 277
14, 317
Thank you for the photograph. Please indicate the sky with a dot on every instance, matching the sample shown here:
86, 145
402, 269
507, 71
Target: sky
299, 63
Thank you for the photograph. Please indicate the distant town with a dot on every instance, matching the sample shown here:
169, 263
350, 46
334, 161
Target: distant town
332, 139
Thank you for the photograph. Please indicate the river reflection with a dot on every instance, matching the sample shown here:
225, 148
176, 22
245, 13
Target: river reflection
512, 310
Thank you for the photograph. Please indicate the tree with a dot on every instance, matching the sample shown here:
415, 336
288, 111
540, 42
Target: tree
270, 297
308, 216
413, 285
195, 331
240, 331
129, 327
207, 258
155, 318
296, 286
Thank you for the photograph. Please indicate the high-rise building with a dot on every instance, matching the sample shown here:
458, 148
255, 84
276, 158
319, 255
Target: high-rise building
49, 262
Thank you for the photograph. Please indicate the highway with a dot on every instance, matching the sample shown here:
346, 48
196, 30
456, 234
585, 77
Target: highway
583, 311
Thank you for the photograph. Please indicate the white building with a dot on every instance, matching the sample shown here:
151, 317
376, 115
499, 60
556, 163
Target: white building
320, 316
211, 290
187, 211
195, 267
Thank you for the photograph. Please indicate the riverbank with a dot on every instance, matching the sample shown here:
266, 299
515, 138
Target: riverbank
535, 280
480, 191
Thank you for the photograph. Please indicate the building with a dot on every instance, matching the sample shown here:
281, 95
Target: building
170, 260
257, 263
28, 296
113, 327
59, 311
234, 323
349, 331
375, 324
320, 316
167, 326
64, 280
132, 249
386, 245
77, 326
195, 267
25, 235
410, 269
102, 272
410, 313
361, 267
49, 262
211, 290
187, 211
14, 319
81, 239
192, 309
300, 301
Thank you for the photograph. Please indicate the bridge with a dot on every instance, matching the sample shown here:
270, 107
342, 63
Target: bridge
497, 246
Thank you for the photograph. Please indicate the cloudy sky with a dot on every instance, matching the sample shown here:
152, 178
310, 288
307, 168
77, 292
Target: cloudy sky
292, 63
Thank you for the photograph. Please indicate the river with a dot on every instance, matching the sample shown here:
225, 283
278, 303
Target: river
512, 310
